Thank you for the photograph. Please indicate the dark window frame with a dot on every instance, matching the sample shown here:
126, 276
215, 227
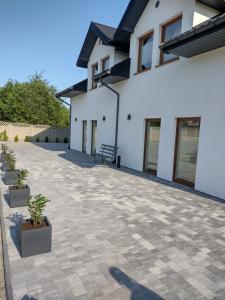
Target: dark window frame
163, 30
92, 134
140, 45
94, 84
84, 125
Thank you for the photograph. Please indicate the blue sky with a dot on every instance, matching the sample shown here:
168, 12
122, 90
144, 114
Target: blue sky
47, 35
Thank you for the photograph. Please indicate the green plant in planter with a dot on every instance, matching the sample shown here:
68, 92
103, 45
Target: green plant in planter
46, 139
11, 161
16, 139
36, 207
37, 139
3, 136
21, 179
65, 140
57, 140
27, 139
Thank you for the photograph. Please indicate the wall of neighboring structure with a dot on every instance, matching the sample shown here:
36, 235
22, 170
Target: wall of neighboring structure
185, 88
202, 13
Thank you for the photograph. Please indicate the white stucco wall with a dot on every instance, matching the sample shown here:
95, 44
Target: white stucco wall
202, 13
186, 88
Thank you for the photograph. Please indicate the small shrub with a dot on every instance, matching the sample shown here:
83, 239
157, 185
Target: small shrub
11, 160
27, 139
36, 207
21, 179
37, 139
57, 140
3, 136
46, 139
65, 140
16, 139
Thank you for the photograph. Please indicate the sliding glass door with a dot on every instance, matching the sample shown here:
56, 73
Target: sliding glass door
152, 138
84, 137
186, 151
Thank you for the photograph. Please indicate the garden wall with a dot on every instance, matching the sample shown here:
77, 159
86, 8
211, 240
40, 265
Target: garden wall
33, 132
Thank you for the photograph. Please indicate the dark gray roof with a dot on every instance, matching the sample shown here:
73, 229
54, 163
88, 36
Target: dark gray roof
74, 90
202, 38
216, 4
95, 31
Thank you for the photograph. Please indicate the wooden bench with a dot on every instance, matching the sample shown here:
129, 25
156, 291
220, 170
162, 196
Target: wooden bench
107, 153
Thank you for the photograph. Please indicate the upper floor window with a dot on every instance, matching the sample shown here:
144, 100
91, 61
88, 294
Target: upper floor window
145, 52
94, 73
105, 63
170, 31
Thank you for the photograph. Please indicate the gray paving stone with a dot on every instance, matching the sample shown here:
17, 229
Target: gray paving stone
117, 234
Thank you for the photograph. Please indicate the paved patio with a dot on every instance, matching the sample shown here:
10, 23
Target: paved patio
116, 235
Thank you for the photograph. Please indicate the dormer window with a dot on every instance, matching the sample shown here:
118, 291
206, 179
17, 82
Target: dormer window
145, 52
105, 63
170, 31
94, 73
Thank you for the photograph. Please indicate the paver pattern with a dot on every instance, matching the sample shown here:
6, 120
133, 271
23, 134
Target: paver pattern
116, 235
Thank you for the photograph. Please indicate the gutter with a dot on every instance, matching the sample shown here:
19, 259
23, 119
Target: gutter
117, 113
68, 104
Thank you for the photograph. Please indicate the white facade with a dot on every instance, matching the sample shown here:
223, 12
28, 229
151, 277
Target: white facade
184, 88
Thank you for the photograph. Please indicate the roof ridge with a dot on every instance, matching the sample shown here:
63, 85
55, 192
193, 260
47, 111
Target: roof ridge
103, 25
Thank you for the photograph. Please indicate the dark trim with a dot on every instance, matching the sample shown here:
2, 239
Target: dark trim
150, 171
207, 36
179, 180
75, 90
93, 83
92, 131
83, 126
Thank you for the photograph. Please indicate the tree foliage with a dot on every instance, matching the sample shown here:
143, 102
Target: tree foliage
32, 102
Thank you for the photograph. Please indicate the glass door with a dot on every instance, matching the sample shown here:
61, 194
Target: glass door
186, 151
93, 137
152, 138
84, 137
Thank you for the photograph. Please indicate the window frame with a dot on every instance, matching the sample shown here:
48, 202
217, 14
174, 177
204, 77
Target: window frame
94, 84
163, 30
140, 45
102, 62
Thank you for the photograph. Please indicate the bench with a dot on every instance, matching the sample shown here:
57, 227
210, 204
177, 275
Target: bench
107, 153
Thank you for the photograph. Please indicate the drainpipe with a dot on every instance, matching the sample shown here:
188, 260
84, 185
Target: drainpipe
63, 101
117, 113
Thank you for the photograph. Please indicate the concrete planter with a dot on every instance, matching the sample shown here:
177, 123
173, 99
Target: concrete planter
35, 240
11, 177
18, 198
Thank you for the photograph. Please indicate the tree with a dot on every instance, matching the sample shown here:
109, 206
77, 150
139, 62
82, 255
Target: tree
32, 102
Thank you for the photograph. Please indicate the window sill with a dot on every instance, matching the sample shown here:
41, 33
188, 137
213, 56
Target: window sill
140, 72
167, 62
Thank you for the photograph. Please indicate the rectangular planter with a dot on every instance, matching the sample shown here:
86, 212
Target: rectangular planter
36, 240
11, 177
18, 198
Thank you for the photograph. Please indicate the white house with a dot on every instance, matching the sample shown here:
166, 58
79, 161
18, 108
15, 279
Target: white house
166, 61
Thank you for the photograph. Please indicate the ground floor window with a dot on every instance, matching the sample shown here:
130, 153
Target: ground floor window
186, 150
152, 138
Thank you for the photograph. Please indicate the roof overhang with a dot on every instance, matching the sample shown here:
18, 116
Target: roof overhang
95, 31
117, 73
216, 4
75, 90
203, 38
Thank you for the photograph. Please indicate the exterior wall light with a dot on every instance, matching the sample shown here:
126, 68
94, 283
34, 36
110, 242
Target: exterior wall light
157, 3
129, 117
103, 119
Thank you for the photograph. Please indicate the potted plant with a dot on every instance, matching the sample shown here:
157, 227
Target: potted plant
11, 174
19, 194
4, 151
35, 234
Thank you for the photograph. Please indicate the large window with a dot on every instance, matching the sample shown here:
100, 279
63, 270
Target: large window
105, 63
94, 73
170, 31
145, 52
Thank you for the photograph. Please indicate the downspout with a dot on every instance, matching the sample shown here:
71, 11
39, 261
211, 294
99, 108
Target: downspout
117, 113
64, 102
